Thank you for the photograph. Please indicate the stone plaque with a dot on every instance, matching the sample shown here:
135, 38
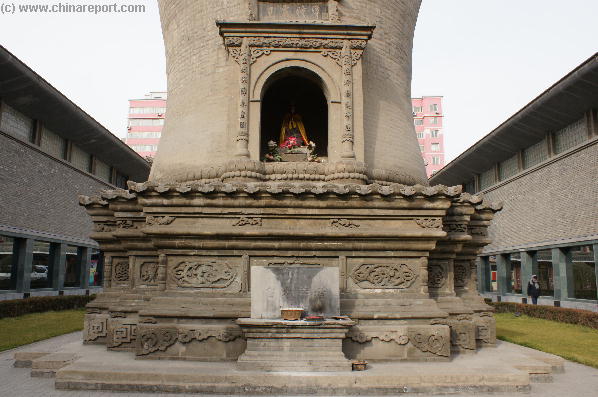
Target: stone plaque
314, 289
293, 10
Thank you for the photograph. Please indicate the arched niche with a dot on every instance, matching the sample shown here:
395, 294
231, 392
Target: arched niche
316, 97
301, 90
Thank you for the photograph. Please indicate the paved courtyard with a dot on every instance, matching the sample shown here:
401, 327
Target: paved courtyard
578, 380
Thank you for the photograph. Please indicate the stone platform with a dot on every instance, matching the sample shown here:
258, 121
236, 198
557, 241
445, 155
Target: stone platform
506, 368
306, 346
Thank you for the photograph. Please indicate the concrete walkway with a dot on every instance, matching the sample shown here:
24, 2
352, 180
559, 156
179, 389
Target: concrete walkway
578, 380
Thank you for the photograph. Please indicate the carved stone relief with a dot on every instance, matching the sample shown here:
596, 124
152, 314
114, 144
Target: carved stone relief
203, 275
455, 228
399, 276
248, 221
148, 272
344, 223
125, 224
430, 223
462, 331
159, 220
123, 334
461, 274
385, 336
429, 341
154, 339
96, 326
436, 275
121, 271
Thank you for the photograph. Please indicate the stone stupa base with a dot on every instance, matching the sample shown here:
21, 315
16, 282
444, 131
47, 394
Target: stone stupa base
507, 369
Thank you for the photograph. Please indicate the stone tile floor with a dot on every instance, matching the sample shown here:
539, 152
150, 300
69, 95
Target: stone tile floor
577, 380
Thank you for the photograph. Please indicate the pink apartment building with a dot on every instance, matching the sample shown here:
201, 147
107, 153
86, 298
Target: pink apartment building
427, 117
146, 119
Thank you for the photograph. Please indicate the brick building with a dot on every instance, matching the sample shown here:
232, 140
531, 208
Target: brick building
543, 164
51, 151
145, 122
428, 117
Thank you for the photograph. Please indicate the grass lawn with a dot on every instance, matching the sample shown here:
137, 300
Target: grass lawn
22, 330
572, 342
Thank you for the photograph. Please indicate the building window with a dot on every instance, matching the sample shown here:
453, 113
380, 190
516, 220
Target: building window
420, 135
103, 171
417, 109
584, 274
434, 133
508, 168
435, 147
535, 154
421, 148
40, 275
570, 136
419, 121
487, 178
145, 122
434, 120
545, 272
52, 143
470, 187
434, 107
7, 263
144, 148
16, 123
435, 160
147, 110
143, 134
81, 159
96, 268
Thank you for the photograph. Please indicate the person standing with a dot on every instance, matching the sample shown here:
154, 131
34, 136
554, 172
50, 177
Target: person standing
533, 289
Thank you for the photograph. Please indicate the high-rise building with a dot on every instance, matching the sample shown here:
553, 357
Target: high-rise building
427, 117
146, 119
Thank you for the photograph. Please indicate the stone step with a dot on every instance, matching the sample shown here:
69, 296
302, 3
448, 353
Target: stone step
47, 365
24, 359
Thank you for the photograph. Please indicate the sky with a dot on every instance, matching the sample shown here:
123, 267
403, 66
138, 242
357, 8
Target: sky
487, 58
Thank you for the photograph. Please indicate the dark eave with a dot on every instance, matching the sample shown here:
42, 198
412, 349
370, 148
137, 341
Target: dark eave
562, 104
30, 94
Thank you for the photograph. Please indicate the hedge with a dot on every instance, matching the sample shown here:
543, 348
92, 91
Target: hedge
560, 314
37, 304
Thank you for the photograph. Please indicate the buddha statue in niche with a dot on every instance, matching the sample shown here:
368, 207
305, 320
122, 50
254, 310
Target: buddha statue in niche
292, 130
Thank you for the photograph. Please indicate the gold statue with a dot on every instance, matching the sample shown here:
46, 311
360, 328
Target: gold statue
292, 130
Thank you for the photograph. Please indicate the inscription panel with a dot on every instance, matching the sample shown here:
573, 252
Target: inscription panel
293, 10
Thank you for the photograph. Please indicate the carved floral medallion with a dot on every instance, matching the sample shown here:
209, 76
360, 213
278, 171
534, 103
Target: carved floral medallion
203, 275
399, 276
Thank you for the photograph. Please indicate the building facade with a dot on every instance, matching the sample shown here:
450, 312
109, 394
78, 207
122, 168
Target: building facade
428, 120
542, 163
145, 122
51, 152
